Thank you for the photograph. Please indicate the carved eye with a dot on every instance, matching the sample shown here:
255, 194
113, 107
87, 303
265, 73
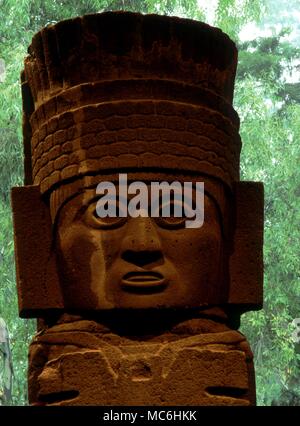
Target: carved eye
173, 214
115, 218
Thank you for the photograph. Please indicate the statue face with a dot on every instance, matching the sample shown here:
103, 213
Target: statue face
140, 262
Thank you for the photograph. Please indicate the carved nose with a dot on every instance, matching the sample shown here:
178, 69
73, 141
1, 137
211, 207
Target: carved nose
142, 245
141, 258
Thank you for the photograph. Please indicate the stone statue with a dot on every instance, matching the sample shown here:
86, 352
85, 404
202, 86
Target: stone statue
135, 310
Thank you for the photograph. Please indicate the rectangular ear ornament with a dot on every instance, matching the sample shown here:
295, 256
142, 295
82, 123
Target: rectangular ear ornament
246, 262
37, 278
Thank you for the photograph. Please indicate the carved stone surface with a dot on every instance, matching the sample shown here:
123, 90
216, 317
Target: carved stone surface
135, 310
197, 362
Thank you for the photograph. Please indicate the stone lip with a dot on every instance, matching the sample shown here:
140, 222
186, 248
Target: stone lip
143, 282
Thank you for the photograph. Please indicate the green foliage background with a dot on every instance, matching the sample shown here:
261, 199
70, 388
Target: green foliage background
269, 107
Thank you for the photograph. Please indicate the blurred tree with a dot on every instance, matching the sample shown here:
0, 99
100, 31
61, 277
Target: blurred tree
6, 368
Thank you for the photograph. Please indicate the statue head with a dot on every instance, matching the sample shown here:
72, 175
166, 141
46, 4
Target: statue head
149, 97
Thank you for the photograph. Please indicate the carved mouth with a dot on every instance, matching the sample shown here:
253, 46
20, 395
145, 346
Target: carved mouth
143, 282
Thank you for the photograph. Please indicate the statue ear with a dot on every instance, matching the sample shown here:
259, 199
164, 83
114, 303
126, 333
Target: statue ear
37, 277
246, 261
